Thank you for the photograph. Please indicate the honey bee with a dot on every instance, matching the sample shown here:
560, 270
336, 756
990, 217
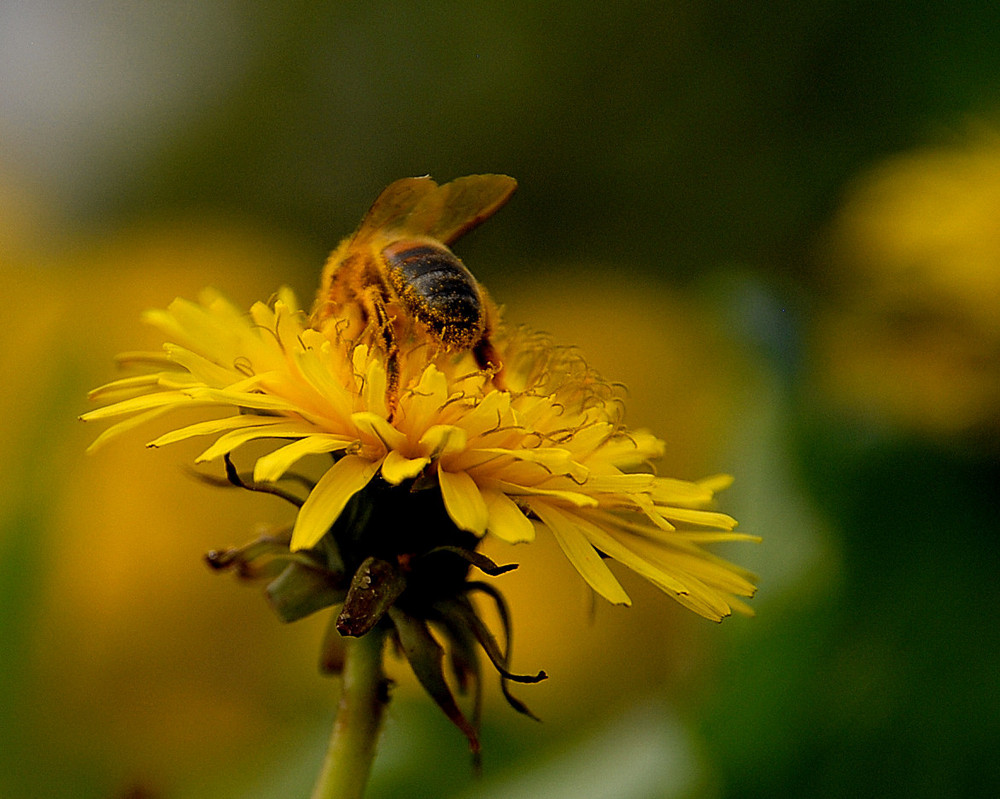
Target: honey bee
397, 270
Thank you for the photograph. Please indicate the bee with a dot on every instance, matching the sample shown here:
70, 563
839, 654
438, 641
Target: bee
397, 270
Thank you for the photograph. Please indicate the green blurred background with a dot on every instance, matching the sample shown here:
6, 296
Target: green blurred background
778, 224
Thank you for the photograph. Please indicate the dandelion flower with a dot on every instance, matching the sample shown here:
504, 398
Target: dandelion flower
405, 440
548, 452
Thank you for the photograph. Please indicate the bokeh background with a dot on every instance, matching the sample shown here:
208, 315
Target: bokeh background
777, 223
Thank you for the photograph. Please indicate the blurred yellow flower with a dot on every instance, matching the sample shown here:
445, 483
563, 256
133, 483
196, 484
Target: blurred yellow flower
914, 328
549, 450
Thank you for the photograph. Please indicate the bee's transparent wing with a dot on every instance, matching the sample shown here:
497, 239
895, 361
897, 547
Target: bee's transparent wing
457, 207
420, 206
396, 204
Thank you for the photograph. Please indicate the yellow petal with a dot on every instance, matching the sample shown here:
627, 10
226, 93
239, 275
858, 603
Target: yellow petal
463, 501
373, 391
272, 466
575, 497
698, 564
286, 297
396, 468
264, 316
125, 425
422, 404
715, 537
716, 483
703, 518
329, 497
443, 439
670, 491
378, 427
665, 569
631, 450
359, 357
228, 423
248, 432
507, 521
552, 459
144, 403
316, 372
488, 415
125, 385
613, 547
370, 374
619, 483
587, 440
207, 372
580, 552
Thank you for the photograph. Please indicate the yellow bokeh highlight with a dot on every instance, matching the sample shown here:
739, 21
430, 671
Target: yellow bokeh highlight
149, 667
144, 663
911, 331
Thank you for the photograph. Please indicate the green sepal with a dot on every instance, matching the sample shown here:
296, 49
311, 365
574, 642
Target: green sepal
463, 658
477, 559
461, 614
462, 611
301, 590
426, 657
263, 558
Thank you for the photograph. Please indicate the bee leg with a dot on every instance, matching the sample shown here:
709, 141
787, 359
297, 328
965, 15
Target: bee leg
376, 307
486, 355
391, 374
488, 360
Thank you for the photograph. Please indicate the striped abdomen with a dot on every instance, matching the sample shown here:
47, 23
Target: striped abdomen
437, 289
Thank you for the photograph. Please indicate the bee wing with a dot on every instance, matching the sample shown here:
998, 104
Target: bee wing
457, 207
395, 206
420, 206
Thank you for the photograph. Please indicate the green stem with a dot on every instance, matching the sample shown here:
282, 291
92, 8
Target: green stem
363, 699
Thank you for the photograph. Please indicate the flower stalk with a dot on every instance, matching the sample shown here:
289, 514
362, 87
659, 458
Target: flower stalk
363, 699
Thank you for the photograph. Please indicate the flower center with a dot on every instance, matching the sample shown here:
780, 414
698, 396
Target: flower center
410, 529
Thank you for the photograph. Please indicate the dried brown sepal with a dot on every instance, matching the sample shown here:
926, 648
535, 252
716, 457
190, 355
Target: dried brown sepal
376, 585
264, 557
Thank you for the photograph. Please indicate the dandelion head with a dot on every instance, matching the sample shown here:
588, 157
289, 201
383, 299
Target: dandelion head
402, 459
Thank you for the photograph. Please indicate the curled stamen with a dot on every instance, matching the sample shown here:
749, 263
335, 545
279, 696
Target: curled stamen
272, 331
457, 398
340, 327
243, 366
